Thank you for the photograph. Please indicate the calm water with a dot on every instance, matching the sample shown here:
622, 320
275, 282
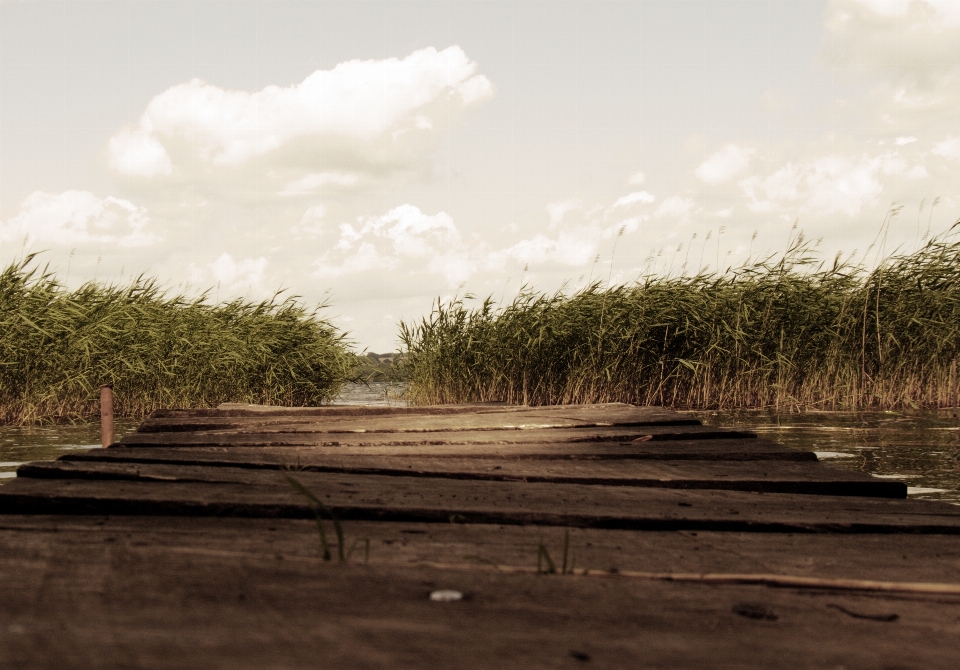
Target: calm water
919, 448
44, 443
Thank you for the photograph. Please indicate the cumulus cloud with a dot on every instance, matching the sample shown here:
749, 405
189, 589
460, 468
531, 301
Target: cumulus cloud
75, 218
724, 165
945, 11
356, 99
637, 179
834, 184
910, 38
228, 271
557, 210
949, 148
136, 153
311, 222
403, 234
676, 207
411, 241
231, 275
633, 199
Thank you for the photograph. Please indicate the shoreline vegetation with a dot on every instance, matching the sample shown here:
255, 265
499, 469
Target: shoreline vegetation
158, 349
789, 332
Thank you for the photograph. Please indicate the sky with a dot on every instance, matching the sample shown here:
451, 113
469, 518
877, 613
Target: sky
381, 156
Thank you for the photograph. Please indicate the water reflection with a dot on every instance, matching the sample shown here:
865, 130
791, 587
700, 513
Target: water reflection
919, 448
20, 445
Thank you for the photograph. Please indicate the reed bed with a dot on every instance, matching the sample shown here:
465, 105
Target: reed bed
158, 350
788, 331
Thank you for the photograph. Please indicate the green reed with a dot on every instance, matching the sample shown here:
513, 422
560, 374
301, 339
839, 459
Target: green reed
786, 331
157, 349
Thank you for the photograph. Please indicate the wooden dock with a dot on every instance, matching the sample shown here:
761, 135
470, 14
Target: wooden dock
578, 536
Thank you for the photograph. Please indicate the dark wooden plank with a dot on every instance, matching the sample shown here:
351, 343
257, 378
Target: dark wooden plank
230, 409
203, 491
725, 449
519, 419
886, 557
807, 477
248, 410
104, 599
360, 437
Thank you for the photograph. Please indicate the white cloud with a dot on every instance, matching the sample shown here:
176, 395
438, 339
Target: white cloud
247, 272
404, 234
834, 184
313, 181
356, 99
945, 12
916, 172
910, 38
557, 210
903, 141
414, 233
724, 165
136, 153
676, 207
311, 222
573, 247
633, 198
724, 213
949, 148
410, 242
637, 179
78, 218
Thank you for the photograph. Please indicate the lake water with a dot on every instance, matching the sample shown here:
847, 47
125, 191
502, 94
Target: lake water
919, 448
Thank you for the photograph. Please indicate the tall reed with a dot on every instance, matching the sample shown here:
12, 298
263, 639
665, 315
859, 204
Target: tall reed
787, 331
158, 350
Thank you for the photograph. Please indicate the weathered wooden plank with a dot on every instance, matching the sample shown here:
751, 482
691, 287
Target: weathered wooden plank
248, 410
230, 409
526, 418
179, 490
726, 449
887, 557
83, 599
785, 477
360, 437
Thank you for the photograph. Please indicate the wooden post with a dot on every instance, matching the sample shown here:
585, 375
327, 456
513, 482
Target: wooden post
106, 415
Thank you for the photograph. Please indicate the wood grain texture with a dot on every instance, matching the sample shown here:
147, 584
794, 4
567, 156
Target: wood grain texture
185, 596
189, 491
323, 435
512, 419
725, 449
782, 477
